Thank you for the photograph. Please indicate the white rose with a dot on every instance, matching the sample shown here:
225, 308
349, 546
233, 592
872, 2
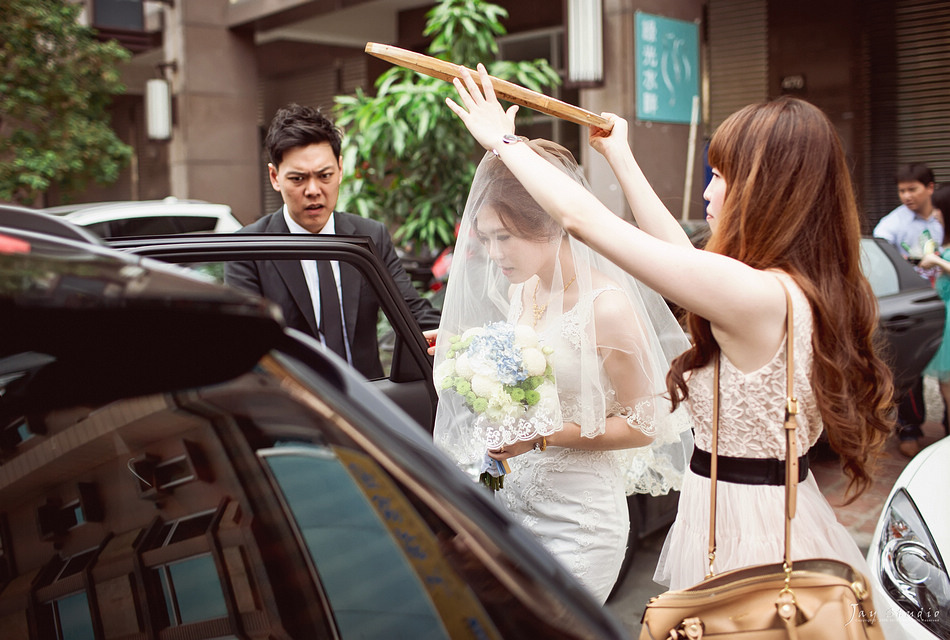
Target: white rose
525, 336
484, 386
534, 361
445, 370
463, 366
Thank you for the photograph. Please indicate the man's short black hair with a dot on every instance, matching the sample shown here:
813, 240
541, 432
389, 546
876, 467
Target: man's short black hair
299, 126
916, 172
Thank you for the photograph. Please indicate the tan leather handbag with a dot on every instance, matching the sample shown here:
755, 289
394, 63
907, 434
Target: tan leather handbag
819, 598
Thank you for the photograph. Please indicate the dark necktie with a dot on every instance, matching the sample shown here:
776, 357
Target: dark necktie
331, 322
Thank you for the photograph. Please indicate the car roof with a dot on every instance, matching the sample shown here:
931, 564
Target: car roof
32, 220
79, 295
96, 212
170, 201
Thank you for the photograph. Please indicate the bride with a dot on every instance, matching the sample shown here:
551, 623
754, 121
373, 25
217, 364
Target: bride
610, 341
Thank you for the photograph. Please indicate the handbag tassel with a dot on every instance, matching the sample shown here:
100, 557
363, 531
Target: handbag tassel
688, 629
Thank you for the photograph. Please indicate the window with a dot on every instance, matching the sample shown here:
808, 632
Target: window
73, 565
56, 518
152, 225
185, 528
157, 477
19, 430
192, 590
70, 617
367, 566
547, 44
67, 617
878, 269
155, 225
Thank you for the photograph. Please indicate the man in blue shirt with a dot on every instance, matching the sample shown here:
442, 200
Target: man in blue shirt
914, 229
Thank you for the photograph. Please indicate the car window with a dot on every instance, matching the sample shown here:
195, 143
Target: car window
247, 501
101, 229
374, 554
878, 269
158, 225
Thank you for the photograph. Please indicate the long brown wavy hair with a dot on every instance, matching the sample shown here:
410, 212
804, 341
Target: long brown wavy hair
790, 205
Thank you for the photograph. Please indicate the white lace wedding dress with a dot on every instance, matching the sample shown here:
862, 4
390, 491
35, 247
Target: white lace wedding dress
574, 501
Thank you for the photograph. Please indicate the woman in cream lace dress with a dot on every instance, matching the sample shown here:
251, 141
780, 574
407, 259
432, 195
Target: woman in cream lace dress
782, 211
610, 432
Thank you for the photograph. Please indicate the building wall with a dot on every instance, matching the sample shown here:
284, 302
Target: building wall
214, 148
661, 149
816, 44
881, 70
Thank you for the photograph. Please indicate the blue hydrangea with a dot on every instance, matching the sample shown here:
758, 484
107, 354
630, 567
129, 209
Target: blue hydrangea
497, 343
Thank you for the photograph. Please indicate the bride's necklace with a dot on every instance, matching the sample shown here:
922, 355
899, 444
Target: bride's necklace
540, 309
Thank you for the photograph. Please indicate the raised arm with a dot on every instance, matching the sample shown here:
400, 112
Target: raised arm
745, 306
649, 211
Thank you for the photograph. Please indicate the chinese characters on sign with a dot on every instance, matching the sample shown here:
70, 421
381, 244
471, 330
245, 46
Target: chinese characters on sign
667, 68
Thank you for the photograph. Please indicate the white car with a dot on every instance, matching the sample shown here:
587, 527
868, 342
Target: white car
149, 217
910, 548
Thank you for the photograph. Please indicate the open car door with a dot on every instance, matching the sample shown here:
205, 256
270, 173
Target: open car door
407, 379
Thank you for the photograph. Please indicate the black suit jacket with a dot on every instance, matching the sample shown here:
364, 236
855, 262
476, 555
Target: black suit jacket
283, 282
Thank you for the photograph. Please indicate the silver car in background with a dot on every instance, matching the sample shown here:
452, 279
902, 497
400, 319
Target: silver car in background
148, 217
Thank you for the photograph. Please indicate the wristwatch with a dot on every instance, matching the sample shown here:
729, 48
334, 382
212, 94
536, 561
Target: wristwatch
508, 138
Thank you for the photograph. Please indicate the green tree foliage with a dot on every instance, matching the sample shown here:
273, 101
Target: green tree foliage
56, 81
407, 159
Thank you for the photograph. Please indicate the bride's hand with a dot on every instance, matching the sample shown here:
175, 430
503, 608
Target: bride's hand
515, 449
482, 114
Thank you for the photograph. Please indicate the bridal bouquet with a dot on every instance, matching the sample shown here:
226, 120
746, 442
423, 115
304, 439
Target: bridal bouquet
504, 376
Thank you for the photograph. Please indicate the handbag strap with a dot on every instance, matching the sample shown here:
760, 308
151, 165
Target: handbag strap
791, 442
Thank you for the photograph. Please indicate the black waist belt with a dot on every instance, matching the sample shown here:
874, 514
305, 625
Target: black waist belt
746, 470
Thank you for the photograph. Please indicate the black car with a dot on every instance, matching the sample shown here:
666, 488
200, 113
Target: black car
912, 315
174, 463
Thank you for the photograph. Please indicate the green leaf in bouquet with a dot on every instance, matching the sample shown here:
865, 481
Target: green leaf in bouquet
516, 393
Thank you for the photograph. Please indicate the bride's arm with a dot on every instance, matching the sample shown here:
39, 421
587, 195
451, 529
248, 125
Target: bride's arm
746, 306
621, 344
648, 210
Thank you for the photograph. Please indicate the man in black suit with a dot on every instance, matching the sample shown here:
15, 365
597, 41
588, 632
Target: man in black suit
306, 168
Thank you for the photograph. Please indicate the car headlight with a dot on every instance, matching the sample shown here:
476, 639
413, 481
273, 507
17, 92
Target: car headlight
912, 572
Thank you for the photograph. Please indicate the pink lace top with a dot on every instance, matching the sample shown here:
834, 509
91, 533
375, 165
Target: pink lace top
752, 405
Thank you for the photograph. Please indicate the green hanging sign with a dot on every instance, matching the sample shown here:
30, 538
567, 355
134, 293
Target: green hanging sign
667, 68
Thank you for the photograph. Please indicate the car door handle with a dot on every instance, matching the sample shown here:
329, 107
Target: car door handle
900, 324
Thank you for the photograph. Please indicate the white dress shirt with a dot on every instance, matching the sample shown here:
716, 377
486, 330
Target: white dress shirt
313, 280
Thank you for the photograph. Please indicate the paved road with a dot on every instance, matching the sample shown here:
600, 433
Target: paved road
638, 587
